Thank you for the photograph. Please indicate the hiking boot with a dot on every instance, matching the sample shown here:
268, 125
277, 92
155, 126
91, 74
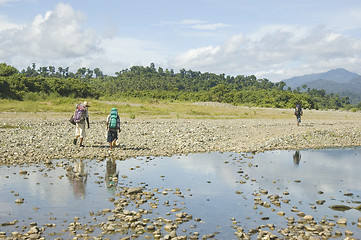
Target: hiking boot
82, 145
75, 140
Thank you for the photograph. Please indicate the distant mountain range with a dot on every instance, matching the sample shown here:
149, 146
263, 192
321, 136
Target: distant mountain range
338, 81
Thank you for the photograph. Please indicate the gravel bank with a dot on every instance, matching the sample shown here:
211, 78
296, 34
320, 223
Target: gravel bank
27, 137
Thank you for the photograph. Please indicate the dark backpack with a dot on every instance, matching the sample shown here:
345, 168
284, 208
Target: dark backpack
113, 119
79, 115
298, 110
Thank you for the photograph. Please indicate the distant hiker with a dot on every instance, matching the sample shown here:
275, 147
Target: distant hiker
80, 116
113, 125
298, 113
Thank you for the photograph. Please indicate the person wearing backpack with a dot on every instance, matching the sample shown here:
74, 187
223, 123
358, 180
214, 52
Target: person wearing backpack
298, 113
80, 116
113, 126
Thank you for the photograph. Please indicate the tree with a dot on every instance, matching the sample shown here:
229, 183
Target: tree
43, 71
61, 71
6, 70
52, 70
80, 73
98, 73
89, 74
280, 85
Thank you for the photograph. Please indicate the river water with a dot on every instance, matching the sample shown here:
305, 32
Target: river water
219, 189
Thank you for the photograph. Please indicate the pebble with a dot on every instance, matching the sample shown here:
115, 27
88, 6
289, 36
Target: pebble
308, 218
341, 221
19, 200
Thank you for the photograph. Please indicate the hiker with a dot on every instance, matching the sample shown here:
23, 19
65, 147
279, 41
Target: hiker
80, 116
113, 125
298, 113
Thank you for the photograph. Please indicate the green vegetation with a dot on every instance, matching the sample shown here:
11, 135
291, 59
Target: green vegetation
7, 126
150, 84
135, 108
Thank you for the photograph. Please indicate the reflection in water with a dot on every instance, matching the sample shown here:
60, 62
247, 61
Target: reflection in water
111, 175
78, 178
216, 187
297, 157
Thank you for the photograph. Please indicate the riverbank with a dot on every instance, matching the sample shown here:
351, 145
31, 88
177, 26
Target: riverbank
41, 137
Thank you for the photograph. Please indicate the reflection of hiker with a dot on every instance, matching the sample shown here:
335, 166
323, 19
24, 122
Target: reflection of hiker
297, 157
78, 178
113, 125
81, 114
111, 175
298, 113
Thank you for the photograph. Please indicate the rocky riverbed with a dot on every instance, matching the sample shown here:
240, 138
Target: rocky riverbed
27, 138
40, 137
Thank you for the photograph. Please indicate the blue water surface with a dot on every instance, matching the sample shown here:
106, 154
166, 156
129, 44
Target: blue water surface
218, 188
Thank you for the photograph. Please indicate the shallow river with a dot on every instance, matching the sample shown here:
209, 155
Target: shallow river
217, 189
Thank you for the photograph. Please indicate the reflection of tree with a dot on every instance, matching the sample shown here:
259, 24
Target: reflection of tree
111, 175
78, 178
297, 157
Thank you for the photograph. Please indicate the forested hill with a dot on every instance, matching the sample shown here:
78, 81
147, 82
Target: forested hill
156, 83
338, 81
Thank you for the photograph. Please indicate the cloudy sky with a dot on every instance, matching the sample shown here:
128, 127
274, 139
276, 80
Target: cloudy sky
275, 39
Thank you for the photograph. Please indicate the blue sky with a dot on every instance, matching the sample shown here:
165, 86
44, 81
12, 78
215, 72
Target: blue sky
270, 39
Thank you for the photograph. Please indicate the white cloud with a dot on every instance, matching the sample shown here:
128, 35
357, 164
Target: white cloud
189, 22
197, 24
55, 35
7, 1
210, 27
277, 54
120, 52
6, 25
59, 38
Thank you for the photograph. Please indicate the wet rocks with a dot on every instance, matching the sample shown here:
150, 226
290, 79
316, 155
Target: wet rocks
320, 202
340, 207
9, 223
342, 221
134, 190
19, 200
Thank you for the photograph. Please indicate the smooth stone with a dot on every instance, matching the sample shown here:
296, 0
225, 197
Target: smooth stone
308, 218
340, 207
19, 200
341, 221
135, 190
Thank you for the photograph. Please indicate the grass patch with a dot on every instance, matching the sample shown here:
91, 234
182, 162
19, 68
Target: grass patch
8, 126
129, 108
145, 108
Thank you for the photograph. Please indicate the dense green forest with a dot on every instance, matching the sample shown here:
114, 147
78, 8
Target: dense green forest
158, 83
